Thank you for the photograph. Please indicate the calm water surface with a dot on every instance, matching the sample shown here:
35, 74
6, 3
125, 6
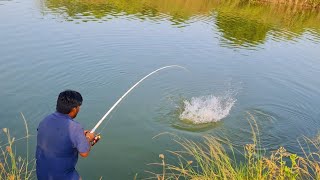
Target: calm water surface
267, 56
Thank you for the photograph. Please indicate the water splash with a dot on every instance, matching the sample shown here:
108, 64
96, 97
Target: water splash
206, 109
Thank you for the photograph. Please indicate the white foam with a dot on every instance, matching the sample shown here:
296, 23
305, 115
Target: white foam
206, 109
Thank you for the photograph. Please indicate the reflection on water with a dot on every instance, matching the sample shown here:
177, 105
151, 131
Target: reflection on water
239, 31
241, 24
3, 1
176, 10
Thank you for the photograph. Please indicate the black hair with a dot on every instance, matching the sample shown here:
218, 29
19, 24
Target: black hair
67, 100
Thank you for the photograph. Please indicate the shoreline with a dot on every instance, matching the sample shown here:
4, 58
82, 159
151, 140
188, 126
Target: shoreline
307, 4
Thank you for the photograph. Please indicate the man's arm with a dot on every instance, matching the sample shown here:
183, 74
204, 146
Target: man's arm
81, 139
90, 138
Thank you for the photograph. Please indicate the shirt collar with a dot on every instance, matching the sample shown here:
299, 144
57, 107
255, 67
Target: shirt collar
62, 115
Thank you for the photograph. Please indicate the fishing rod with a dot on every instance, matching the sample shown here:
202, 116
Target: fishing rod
125, 94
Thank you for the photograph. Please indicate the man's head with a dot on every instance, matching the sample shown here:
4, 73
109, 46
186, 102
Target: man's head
69, 102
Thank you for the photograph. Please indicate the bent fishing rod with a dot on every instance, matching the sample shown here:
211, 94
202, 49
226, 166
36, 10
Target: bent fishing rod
125, 94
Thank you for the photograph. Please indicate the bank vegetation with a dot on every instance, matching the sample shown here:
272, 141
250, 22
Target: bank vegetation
218, 159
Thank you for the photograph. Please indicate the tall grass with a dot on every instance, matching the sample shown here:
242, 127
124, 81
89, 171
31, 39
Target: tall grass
214, 158
13, 166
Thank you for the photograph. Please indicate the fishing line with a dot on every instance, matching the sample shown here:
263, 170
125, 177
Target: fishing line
105, 124
125, 94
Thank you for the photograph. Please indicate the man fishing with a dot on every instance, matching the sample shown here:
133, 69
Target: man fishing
60, 139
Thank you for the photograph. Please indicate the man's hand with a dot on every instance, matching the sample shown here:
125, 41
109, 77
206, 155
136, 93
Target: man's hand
89, 136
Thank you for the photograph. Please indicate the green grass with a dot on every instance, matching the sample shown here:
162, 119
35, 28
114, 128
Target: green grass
214, 158
13, 166
210, 159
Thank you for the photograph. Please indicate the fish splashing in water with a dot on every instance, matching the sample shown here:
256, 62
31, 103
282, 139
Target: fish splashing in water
206, 109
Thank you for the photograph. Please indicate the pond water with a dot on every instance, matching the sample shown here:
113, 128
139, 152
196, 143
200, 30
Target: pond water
241, 58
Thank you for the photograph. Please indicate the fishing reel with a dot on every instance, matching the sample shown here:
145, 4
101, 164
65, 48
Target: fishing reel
96, 139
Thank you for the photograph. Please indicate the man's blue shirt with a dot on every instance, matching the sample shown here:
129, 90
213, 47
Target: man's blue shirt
59, 141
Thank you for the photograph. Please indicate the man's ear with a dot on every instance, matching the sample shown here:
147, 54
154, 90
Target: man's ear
74, 110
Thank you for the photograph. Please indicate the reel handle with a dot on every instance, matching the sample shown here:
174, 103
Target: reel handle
96, 139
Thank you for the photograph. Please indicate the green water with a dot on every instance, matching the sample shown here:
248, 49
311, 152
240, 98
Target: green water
266, 56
